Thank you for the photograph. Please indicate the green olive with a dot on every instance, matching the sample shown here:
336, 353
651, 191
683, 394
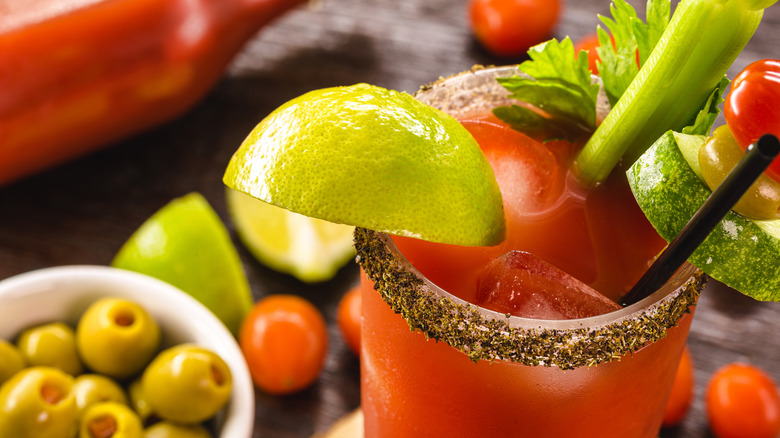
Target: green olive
37, 402
718, 156
117, 337
94, 388
138, 401
11, 361
51, 345
187, 384
110, 420
165, 429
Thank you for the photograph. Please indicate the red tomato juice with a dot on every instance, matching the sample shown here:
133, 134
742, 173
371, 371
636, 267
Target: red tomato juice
417, 387
598, 235
413, 386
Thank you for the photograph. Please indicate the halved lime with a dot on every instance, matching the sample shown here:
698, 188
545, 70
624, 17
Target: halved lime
186, 244
310, 249
366, 156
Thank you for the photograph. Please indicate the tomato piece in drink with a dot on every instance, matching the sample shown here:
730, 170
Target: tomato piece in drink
521, 284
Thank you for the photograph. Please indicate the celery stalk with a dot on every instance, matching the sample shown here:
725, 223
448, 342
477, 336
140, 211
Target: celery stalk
701, 41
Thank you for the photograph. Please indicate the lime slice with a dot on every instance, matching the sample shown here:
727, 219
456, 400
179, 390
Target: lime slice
366, 156
310, 249
186, 244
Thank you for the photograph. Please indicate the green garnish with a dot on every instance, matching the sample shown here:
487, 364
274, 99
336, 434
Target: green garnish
618, 65
560, 85
696, 49
680, 83
709, 112
559, 82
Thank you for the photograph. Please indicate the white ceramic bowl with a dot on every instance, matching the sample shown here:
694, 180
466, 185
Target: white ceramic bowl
63, 293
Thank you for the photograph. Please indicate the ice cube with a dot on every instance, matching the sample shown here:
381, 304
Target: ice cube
524, 168
521, 284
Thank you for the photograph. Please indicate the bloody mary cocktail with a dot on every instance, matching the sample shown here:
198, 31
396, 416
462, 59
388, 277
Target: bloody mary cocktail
465, 370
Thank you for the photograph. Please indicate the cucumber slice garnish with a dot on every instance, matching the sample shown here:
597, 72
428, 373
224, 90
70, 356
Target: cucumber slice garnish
741, 253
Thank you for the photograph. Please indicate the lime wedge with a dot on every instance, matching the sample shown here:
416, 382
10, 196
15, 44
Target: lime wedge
186, 244
366, 156
309, 249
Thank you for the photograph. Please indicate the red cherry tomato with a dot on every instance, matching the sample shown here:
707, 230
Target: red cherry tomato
349, 314
682, 391
589, 44
510, 27
284, 340
751, 107
742, 402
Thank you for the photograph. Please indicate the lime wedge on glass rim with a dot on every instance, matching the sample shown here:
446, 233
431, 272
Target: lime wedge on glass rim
366, 156
312, 250
186, 244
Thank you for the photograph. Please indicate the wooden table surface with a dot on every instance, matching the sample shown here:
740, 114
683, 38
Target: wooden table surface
82, 212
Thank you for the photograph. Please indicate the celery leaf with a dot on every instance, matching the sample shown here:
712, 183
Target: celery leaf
709, 111
647, 35
559, 84
690, 59
629, 36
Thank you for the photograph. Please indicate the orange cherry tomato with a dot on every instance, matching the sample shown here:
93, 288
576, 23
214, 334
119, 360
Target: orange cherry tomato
751, 108
589, 44
284, 340
742, 402
682, 391
510, 27
350, 312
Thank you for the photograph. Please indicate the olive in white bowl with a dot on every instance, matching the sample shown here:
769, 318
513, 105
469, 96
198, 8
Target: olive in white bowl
63, 294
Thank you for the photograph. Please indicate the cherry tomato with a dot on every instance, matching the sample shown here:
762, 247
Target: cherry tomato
589, 44
510, 27
742, 402
751, 108
349, 314
284, 340
682, 391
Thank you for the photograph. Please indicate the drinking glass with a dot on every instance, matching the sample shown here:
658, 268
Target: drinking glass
435, 365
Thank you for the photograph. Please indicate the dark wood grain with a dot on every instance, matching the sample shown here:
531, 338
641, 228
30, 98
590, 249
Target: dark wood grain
82, 212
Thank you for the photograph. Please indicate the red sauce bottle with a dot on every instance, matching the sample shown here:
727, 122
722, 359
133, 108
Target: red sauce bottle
78, 74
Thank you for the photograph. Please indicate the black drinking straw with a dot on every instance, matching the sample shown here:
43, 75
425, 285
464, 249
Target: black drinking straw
756, 159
